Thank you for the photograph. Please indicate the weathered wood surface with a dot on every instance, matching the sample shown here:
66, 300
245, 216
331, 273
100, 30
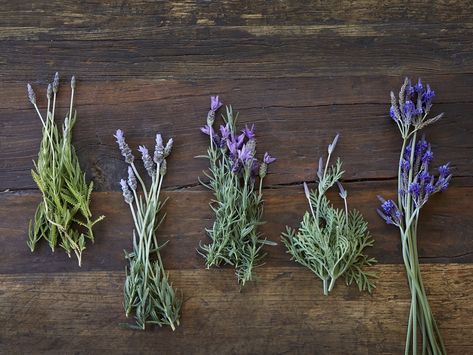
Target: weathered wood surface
284, 312
302, 71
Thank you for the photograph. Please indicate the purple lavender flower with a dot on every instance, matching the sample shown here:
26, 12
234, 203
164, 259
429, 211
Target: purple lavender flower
388, 206
409, 110
268, 159
331, 146
414, 189
419, 87
215, 104
208, 130
225, 131
392, 113
424, 176
421, 146
249, 132
232, 148
442, 183
147, 161
244, 154
168, 147
444, 170
343, 193
427, 157
389, 211
405, 165
428, 96
123, 146
429, 189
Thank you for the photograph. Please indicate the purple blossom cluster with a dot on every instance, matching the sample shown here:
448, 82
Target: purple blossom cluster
240, 147
415, 102
417, 164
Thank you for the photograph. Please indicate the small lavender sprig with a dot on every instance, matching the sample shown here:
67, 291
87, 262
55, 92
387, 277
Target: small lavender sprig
331, 242
148, 294
238, 205
63, 217
416, 184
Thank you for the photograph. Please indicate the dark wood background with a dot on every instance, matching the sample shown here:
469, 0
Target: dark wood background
300, 70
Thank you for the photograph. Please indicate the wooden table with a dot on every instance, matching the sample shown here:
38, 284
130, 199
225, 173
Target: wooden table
301, 71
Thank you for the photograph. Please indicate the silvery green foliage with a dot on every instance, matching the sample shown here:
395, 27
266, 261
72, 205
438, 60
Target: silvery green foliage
148, 294
238, 202
63, 217
331, 241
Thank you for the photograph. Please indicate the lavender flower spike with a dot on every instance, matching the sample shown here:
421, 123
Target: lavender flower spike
331, 146
306, 191
132, 179
56, 83
126, 192
31, 94
343, 193
147, 161
168, 147
159, 149
124, 148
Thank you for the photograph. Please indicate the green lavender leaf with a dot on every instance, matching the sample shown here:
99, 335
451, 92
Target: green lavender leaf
330, 241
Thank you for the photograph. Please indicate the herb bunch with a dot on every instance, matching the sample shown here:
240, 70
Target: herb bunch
330, 241
238, 201
63, 217
148, 294
416, 184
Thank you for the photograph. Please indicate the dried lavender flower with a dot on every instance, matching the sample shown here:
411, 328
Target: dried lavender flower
49, 92
163, 168
132, 179
127, 195
73, 82
238, 205
168, 147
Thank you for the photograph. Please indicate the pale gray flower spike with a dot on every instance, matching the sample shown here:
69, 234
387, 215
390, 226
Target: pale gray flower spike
331, 146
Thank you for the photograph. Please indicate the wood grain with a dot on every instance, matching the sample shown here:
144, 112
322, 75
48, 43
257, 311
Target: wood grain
283, 312
302, 71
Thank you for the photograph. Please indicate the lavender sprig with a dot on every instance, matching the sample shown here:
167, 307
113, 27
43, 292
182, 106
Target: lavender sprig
416, 184
148, 294
63, 217
234, 170
331, 242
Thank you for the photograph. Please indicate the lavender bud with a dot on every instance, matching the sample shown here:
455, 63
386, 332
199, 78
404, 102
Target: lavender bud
332, 145
49, 92
263, 169
31, 94
126, 192
132, 179
168, 148
163, 168
320, 171
123, 146
147, 161
306, 191
343, 193
159, 149
210, 118
251, 146
73, 82
56, 83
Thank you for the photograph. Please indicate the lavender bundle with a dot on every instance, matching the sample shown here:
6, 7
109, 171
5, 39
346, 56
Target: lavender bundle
416, 184
330, 241
148, 293
63, 216
238, 204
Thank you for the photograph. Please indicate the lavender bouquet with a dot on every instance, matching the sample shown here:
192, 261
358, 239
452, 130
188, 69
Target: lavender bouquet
148, 293
416, 184
63, 216
238, 202
330, 242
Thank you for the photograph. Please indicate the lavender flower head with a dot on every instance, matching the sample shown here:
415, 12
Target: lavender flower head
158, 149
267, 159
123, 146
31, 94
132, 179
147, 161
343, 193
127, 195
389, 212
331, 146
168, 147
56, 83
215, 104
249, 132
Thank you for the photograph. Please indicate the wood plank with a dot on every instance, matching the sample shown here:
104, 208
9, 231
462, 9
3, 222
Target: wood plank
295, 122
111, 16
205, 52
445, 230
285, 311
